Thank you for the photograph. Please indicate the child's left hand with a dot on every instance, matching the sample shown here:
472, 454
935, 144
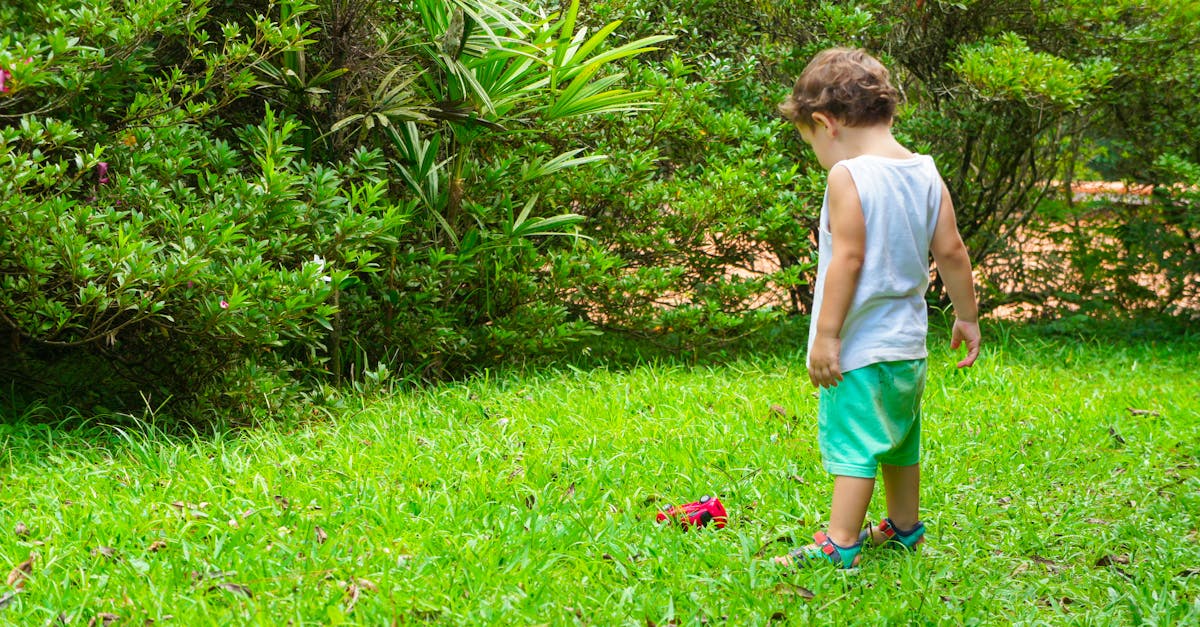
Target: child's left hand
824, 367
966, 332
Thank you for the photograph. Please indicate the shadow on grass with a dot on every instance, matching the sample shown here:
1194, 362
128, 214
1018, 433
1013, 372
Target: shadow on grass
788, 338
39, 422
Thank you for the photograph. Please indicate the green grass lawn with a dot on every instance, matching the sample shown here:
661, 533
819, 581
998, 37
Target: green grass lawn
1061, 487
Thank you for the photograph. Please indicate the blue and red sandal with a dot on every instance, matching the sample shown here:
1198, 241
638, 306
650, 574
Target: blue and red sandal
894, 538
824, 550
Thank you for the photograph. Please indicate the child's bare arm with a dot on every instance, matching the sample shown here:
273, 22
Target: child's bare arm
954, 266
849, 230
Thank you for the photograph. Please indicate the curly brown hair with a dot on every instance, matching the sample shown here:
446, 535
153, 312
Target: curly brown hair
847, 84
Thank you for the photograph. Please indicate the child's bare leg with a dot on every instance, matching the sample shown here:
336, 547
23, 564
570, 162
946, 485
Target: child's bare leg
903, 487
851, 496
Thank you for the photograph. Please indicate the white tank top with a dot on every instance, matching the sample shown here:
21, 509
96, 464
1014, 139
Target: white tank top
887, 320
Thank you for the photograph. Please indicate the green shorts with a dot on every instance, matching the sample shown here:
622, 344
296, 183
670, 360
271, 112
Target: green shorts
872, 417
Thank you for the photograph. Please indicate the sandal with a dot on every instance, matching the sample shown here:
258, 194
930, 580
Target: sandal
894, 538
825, 550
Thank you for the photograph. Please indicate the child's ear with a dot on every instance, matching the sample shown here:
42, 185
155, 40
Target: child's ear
823, 121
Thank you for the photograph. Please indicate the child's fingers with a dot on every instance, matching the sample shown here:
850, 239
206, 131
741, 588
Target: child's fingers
972, 355
825, 376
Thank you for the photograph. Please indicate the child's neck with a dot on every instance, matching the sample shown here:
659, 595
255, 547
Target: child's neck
855, 141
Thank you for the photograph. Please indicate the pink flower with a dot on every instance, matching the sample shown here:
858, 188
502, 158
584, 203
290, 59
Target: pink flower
103, 168
224, 304
4, 75
191, 284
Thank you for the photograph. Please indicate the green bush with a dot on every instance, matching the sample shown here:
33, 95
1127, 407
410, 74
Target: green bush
145, 239
701, 214
132, 245
193, 255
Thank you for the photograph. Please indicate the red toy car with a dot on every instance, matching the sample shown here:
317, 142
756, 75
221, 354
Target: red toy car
697, 514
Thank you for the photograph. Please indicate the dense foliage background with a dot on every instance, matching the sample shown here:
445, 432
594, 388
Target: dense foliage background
231, 205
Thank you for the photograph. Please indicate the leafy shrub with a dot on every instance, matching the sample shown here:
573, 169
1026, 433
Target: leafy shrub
145, 239
485, 273
700, 214
194, 255
130, 242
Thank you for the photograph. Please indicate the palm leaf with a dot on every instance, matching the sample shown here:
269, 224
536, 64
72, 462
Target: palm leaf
536, 168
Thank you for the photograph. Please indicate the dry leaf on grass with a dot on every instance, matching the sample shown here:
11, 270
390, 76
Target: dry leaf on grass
1062, 601
354, 590
352, 594
792, 590
1050, 565
212, 574
1042, 560
103, 619
16, 577
21, 530
105, 551
235, 588
156, 546
321, 535
195, 510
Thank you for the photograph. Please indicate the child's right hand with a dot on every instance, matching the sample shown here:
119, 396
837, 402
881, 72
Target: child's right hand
824, 367
966, 332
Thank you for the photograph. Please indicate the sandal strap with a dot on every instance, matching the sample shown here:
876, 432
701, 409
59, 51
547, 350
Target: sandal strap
826, 545
835, 553
909, 538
